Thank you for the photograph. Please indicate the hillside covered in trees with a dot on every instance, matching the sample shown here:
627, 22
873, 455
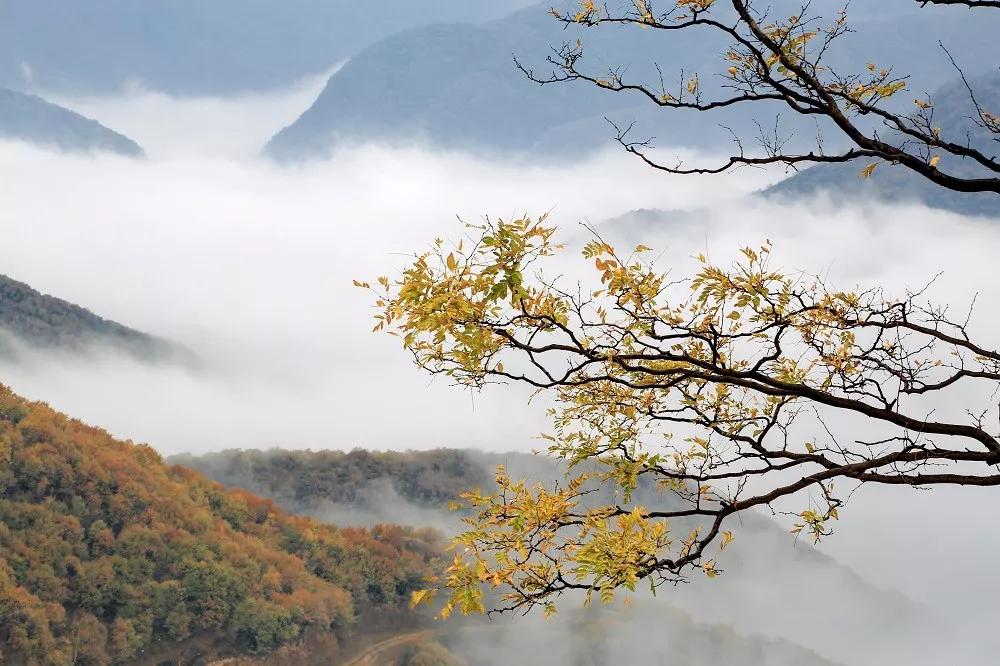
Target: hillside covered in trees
303, 480
110, 555
48, 322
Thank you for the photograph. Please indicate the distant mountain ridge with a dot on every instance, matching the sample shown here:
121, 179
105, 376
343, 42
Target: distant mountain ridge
456, 86
47, 322
30, 118
199, 47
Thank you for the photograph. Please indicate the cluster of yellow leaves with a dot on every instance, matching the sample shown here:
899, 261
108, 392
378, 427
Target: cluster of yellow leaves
814, 522
522, 539
791, 39
613, 553
695, 5
878, 85
644, 11
506, 542
443, 303
785, 47
991, 120
586, 13
693, 85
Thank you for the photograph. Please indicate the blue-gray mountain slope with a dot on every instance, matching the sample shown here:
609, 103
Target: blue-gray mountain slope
36, 320
32, 119
953, 112
456, 86
201, 46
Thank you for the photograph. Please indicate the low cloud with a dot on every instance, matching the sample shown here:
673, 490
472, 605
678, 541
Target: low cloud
250, 266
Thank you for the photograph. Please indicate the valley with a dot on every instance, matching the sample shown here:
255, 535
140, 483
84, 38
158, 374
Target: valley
300, 326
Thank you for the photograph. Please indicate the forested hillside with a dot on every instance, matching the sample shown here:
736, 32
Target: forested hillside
109, 555
304, 480
45, 321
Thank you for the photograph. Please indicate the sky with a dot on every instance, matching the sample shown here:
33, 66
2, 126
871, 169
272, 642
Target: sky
250, 265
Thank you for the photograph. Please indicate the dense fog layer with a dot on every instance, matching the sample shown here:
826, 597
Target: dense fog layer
250, 265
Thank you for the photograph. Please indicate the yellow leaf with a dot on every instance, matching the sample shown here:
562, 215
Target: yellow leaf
419, 597
452, 262
935, 160
869, 170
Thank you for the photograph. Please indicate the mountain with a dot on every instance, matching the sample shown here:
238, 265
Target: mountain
194, 47
110, 555
952, 111
456, 86
30, 118
31, 318
772, 587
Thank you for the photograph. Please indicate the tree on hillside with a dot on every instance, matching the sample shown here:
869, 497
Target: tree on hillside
773, 59
727, 391
110, 556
